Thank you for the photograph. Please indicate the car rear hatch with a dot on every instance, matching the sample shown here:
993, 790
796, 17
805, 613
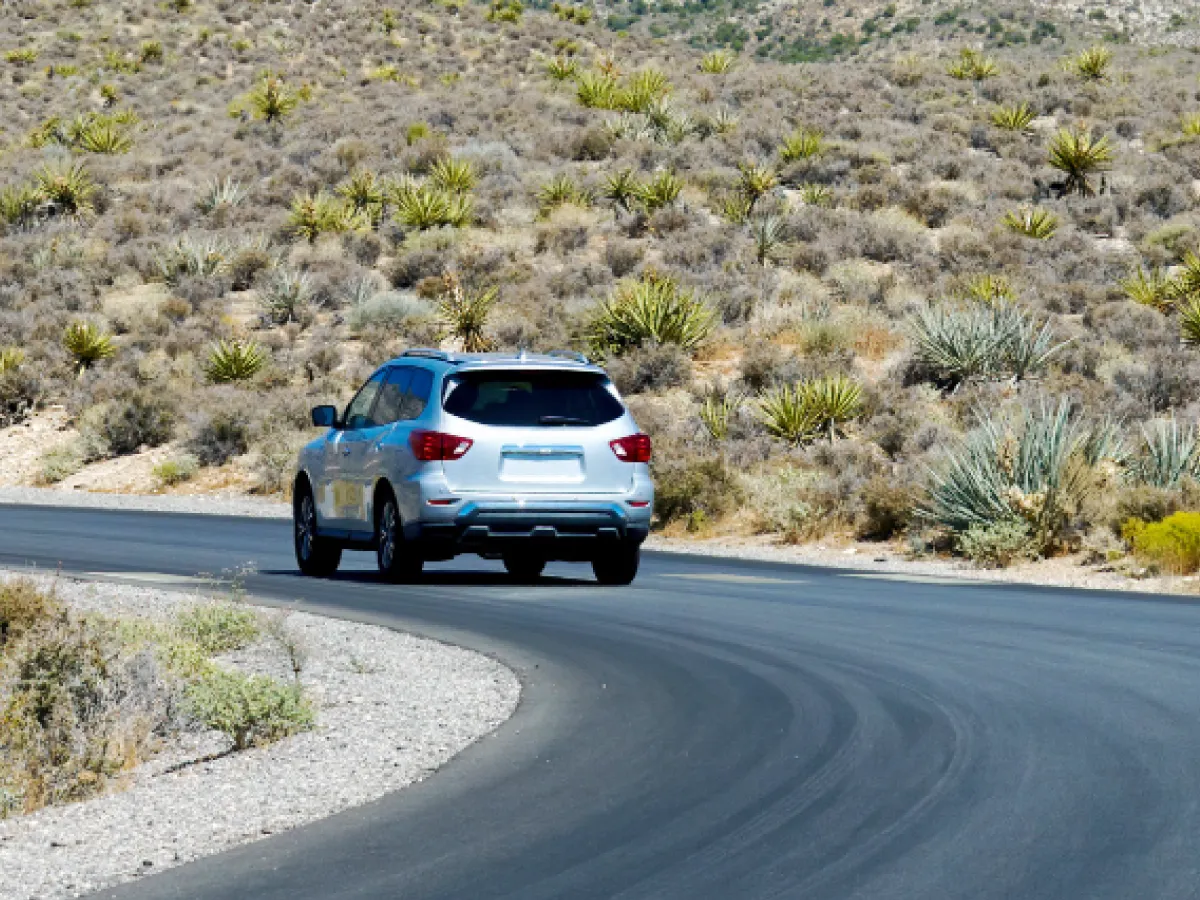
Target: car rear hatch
535, 431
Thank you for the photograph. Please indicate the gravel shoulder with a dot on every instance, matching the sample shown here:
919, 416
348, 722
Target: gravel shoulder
391, 709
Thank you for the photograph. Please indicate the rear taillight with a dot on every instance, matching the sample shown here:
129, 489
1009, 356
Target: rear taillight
429, 446
632, 449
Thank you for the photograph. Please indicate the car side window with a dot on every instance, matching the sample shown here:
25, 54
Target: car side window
358, 413
417, 395
389, 407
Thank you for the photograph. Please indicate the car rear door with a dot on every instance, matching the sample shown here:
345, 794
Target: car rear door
535, 432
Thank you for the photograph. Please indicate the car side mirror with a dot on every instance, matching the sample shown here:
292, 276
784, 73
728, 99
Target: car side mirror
325, 416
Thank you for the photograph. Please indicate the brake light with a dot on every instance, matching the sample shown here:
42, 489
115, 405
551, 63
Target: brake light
429, 446
633, 449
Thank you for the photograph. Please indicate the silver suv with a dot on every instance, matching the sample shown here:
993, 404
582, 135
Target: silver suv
520, 457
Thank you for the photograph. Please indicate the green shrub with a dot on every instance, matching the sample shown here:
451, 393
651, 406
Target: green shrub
999, 544
171, 472
145, 419
60, 463
653, 310
219, 436
696, 490
973, 66
253, 710
218, 627
1173, 545
23, 605
888, 508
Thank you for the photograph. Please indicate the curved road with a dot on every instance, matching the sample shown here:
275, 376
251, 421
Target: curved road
736, 731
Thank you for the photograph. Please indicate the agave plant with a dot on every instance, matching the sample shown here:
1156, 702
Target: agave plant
1189, 321
626, 127
271, 99
621, 189
770, 236
643, 90
464, 315
1033, 223
1092, 64
754, 182
455, 176
1153, 288
717, 407
11, 359
719, 62
1013, 116
1038, 469
661, 191
1170, 453
652, 310
803, 143
960, 344
88, 344
597, 90
425, 207
104, 136
67, 187
219, 194
561, 190
285, 296
973, 66
561, 68
234, 360
1079, 156
1185, 284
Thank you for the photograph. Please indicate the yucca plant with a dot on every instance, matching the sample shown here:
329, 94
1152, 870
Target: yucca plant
627, 127
596, 90
1092, 64
816, 194
803, 143
190, 257
464, 315
364, 193
1079, 156
1032, 223
733, 208
561, 190
234, 360
456, 176
285, 296
88, 344
652, 310
104, 136
19, 205
1038, 469
973, 66
643, 90
1185, 283
908, 70
11, 359
1189, 124
315, 214
425, 207
22, 56
958, 344
68, 187
770, 236
271, 99
717, 407
754, 182
1170, 453
218, 194
561, 68
621, 189
721, 122
834, 401
719, 62
1154, 288
505, 11
1189, 321
786, 414
661, 191
1013, 116
989, 289
150, 51
109, 95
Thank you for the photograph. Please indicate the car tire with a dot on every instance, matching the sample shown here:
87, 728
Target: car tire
315, 555
618, 566
525, 568
395, 556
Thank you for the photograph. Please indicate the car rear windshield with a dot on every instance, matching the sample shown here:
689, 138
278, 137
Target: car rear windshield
531, 399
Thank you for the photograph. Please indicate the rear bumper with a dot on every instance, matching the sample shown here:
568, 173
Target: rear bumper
553, 529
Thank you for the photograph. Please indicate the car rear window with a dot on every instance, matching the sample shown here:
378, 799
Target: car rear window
531, 399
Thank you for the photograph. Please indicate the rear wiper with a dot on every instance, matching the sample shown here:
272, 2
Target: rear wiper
562, 420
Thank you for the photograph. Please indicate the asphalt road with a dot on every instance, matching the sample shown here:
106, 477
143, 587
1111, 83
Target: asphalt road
735, 731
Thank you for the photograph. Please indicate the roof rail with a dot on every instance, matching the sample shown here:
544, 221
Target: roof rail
570, 354
428, 353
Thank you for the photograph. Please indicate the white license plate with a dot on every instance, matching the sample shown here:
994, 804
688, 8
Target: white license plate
567, 470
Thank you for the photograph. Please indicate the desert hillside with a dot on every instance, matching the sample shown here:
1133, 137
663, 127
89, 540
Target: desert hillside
936, 284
